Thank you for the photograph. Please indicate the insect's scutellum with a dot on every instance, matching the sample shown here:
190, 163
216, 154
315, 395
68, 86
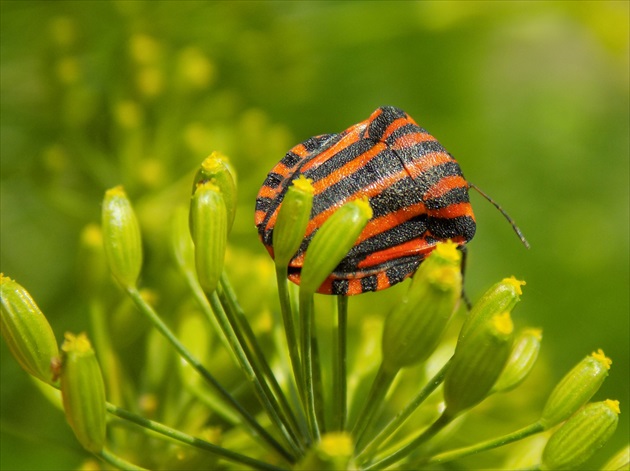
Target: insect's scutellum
518, 231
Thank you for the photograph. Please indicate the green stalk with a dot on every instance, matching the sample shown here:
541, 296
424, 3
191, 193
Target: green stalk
401, 453
227, 298
318, 386
118, 462
113, 373
340, 385
289, 328
532, 429
402, 416
148, 311
200, 296
189, 440
253, 374
259, 359
372, 405
306, 327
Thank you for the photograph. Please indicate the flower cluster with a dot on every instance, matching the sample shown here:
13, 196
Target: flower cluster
281, 407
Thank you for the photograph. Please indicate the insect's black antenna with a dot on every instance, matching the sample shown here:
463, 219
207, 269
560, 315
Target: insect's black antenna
506, 215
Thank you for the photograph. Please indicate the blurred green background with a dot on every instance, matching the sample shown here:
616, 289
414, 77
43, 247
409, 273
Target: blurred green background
530, 97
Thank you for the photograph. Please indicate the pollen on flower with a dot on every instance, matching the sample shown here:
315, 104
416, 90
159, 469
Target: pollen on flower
614, 405
116, 191
503, 323
304, 184
76, 343
600, 356
516, 283
213, 162
4, 279
537, 333
448, 250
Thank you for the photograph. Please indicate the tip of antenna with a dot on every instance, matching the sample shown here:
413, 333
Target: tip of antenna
522, 237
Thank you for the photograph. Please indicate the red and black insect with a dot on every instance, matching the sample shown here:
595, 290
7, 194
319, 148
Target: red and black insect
415, 188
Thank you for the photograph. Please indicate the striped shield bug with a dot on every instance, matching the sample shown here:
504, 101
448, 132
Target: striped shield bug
415, 188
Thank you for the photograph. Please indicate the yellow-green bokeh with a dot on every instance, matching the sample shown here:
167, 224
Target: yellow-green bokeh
530, 97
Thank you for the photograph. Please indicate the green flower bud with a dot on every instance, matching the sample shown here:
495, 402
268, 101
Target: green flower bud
332, 242
502, 297
26, 331
477, 363
576, 388
293, 217
620, 461
216, 169
413, 329
83, 392
521, 361
121, 237
333, 452
209, 234
581, 436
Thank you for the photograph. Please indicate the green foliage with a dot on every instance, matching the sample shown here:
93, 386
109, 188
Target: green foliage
532, 99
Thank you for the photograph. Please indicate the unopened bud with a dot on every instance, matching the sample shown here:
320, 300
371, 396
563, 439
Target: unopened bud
521, 361
576, 388
26, 331
620, 461
477, 363
216, 169
83, 392
293, 217
413, 328
332, 242
208, 216
121, 237
502, 297
581, 436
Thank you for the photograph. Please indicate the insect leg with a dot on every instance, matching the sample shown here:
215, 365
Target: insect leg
464, 250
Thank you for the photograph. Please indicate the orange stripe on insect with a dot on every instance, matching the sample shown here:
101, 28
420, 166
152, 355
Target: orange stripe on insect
413, 139
385, 182
382, 282
349, 139
354, 287
430, 160
384, 223
413, 247
267, 192
452, 211
348, 169
395, 125
300, 150
445, 185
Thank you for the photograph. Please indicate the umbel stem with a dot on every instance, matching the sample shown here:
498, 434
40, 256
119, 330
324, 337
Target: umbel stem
257, 429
